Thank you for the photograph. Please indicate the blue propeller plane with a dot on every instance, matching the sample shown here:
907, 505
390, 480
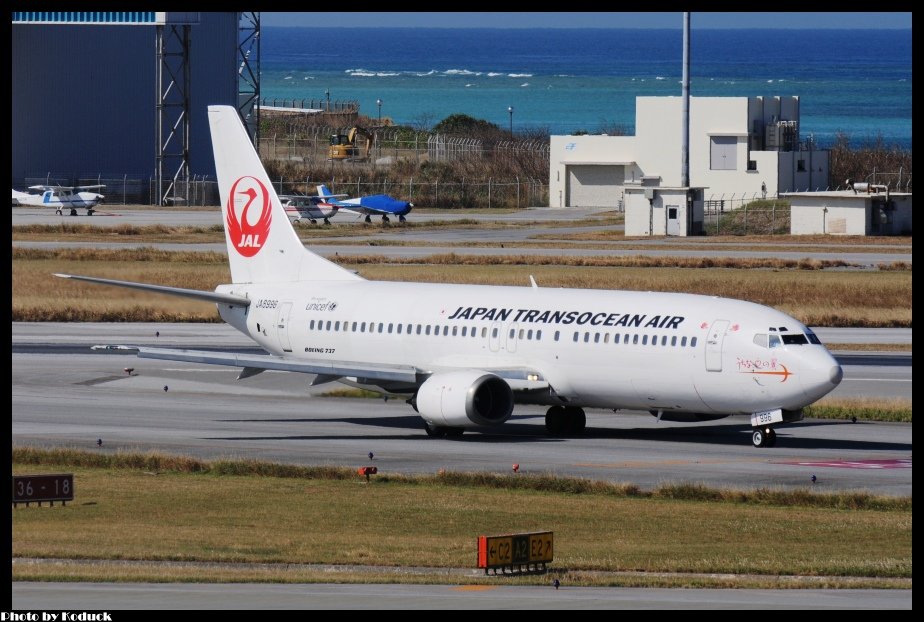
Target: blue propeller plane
371, 205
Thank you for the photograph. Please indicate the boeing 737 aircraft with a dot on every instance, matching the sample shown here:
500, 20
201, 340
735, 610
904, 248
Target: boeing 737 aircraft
464, 355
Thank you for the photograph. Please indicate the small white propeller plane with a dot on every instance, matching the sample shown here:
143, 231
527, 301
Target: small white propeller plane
61, 198
465, 355
321, 207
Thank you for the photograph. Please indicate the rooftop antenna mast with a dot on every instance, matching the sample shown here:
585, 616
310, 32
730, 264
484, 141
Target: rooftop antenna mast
685, 82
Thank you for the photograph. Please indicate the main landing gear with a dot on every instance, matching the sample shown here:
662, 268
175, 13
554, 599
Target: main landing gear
764, 437
442, 431
561, 420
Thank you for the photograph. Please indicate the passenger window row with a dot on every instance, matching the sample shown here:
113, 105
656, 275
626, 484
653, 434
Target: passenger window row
528, 334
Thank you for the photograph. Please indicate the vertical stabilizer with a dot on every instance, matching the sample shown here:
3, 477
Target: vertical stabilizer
262, 246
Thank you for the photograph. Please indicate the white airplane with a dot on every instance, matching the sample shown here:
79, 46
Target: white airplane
313, 208
61, 198
464, 355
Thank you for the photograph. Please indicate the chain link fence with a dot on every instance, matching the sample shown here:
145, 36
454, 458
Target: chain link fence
746, 215
203, 191
391, 144
488, 193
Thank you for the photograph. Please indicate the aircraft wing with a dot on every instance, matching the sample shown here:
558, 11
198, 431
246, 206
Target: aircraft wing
43, 187
521, 379
261, 362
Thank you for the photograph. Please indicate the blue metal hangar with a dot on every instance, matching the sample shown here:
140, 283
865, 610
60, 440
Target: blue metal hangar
122, 95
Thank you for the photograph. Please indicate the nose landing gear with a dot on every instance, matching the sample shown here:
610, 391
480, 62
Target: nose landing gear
764, 437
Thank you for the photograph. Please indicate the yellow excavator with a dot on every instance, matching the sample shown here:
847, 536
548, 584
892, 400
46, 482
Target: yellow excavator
344, 147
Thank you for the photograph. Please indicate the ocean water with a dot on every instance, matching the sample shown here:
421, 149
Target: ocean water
856, 82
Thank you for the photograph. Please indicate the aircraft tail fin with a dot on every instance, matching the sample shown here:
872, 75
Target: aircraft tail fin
262, 245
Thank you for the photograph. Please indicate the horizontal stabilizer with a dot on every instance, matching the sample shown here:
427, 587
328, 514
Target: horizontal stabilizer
228, 299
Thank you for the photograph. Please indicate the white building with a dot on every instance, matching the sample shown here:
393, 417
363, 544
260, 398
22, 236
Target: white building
738, 147
850, 213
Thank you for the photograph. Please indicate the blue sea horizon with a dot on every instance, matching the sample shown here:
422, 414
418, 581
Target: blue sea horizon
564, 81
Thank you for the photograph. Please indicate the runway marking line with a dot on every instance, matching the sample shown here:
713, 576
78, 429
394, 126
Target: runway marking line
649, 463
901, 463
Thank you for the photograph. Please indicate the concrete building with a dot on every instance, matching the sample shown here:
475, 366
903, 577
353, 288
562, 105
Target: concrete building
850, 213
738, 146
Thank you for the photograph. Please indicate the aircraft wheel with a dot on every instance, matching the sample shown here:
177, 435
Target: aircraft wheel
454, 432
555, 422
434, 431
59, 212
73, 211
761, 437
90, 212
402, 219
384, 218
368, 218
326, 221
771, 437
575, 420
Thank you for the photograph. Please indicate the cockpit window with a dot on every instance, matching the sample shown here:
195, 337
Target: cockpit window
794, 339
760, 339
813, 338
775, 341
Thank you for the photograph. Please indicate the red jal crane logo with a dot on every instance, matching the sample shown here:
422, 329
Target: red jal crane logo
248, 238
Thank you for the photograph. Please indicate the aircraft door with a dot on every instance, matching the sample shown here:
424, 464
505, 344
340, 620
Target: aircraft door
512, 337
282, 326
714, 345
494, 336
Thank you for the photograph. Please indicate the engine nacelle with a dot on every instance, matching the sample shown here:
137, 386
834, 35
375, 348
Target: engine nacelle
464, 399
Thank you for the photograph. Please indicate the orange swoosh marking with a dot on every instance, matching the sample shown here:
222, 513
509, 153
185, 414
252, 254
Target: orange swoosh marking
785, 373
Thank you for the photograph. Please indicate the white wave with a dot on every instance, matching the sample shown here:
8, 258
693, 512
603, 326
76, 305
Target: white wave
660, 78
769, 81
520, 75
469, 84
525, 84
494, 74
388, 74
363, 74
461, 72
309, 77
429, 73
287, 78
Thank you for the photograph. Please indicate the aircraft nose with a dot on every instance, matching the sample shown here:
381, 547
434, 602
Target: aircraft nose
822, 375
836, 374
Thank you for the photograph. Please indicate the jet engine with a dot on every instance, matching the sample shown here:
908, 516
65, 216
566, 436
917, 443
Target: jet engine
464, 399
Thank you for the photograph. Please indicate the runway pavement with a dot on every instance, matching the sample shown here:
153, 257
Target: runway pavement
74, 597
73, 398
